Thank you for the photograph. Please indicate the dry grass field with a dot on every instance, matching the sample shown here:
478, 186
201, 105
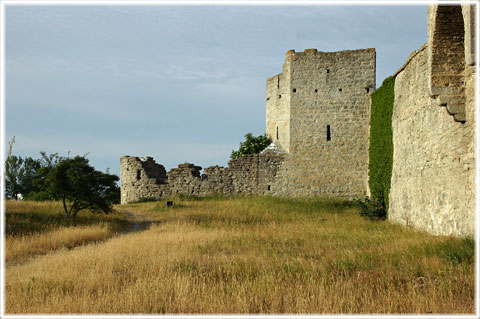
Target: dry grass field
35, 228
243, 255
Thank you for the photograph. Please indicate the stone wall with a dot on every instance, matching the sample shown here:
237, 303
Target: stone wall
446, 58
326, 99
141, 178
433, 178
277, 108
248, 175
318, 112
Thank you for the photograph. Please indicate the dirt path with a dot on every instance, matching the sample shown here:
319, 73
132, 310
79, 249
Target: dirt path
137, 221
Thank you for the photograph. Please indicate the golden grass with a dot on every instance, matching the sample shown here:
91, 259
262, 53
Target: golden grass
251, 255
20, 248
27, 217
39, 227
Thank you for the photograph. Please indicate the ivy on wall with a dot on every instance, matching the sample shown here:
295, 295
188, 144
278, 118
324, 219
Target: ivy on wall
381, 143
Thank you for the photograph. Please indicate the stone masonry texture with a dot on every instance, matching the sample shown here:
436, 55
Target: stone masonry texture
142, 178
433, 178
318, 113
318, 110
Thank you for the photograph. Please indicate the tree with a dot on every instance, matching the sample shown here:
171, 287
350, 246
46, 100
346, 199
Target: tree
252, 145
47, 164
19, 175
80, 186
30, 171
50, 161
13, 171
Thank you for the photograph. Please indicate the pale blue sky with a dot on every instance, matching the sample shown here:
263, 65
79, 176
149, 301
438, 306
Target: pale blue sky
179, 83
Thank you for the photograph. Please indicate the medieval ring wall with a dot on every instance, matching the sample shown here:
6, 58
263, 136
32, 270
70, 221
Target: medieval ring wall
318, 114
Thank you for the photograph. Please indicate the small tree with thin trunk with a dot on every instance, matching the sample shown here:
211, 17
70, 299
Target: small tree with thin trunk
79, 186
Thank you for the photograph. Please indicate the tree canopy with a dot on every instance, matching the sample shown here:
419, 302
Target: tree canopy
79, 186
72, 180
251, 145
19, 175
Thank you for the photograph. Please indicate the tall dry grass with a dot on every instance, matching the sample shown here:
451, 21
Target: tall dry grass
41, 227
20, 248
251, 255
26, 217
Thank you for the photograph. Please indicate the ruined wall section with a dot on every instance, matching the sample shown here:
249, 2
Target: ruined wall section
329, 123
247, 175
186, 179
433, 178
141, 178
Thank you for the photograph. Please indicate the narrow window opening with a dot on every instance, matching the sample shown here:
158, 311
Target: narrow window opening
268, 187
278, 81
279, 96
367, 89
328, 133
277, 132
294, 90
339, 90
138, 174
268, 98
316, 90
328, 70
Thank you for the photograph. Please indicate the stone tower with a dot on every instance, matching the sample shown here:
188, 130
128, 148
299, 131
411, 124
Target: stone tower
318, 112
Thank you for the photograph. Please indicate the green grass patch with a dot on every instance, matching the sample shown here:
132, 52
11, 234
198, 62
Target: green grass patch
454, 250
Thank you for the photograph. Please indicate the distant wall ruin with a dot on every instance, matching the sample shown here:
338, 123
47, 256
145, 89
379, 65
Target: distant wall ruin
142, 178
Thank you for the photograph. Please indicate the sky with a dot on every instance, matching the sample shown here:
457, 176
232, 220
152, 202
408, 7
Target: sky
178, 83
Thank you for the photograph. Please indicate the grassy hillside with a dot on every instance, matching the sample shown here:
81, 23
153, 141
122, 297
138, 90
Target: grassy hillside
250, 255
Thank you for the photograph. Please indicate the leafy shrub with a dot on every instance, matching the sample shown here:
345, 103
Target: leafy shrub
372, 210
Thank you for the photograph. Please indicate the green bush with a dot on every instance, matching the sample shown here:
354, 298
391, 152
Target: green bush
381, 147
372, 210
